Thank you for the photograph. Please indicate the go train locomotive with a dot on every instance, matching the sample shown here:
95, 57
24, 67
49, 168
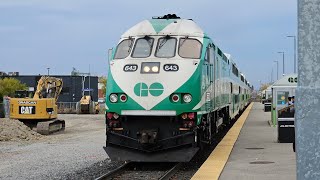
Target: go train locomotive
170, 89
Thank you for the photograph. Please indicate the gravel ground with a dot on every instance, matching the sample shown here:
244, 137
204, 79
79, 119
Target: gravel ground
92, 172
14, 130
59, 155
141, 170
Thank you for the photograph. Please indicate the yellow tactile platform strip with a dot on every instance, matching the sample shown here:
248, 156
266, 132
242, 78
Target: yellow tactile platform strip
212, 168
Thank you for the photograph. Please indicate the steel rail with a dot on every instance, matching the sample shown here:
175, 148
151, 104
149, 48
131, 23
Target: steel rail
171, 172
113, 172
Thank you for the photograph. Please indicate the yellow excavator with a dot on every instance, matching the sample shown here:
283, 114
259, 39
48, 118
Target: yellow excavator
87, 106
39, 111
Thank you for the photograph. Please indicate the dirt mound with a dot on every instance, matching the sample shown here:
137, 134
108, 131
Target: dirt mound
14, 130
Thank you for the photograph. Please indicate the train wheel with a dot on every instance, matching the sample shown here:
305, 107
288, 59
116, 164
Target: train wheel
201, 140
202, 134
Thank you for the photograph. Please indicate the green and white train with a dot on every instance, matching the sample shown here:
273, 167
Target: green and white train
170, 89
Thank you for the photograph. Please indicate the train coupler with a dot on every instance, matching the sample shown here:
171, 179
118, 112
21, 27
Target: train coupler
147, 136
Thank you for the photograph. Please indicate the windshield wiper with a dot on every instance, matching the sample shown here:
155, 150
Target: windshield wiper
164, 41
131, 43
183, 41
149, 40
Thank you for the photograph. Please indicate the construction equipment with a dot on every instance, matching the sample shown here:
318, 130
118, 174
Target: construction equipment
39, 111
87, 106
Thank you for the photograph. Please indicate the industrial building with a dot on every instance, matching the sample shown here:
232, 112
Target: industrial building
73, 86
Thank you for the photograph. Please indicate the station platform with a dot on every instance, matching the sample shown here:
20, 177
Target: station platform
250, 151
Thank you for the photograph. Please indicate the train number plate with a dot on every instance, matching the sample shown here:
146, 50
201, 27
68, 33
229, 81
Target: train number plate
27, 110
130, 68
171, 67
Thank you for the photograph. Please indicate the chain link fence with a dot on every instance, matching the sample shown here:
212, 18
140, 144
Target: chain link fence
67, 107
71, 108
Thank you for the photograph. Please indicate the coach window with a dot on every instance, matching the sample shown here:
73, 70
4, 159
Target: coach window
190, 48
166, 47
212, 55
207, 56
143, 47
123, 49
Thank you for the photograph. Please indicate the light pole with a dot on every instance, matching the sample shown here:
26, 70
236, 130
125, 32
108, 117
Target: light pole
295, 53
282, 62
260, 84
277, 69
48, 70
271, 75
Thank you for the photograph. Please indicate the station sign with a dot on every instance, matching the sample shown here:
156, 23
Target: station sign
292, 80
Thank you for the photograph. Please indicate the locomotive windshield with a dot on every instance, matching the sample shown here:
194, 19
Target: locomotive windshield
123, 49
166, 47
143, 47
190, 48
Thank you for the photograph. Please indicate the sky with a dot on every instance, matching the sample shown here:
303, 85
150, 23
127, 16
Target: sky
62, 34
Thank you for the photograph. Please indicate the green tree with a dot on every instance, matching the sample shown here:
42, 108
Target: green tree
264, 86
9, 85
103, 80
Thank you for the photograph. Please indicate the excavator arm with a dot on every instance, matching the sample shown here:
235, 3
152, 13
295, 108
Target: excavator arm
48, 87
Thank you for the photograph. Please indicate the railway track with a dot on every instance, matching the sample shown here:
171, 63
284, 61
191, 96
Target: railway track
164, 171
171, 172
112, 173
132, 170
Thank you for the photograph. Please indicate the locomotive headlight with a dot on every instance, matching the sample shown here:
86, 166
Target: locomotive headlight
187, 98
113, 98
155, 69
146, 69
150, 67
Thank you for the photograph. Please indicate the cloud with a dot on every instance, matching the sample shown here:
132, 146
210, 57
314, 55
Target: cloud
78, 32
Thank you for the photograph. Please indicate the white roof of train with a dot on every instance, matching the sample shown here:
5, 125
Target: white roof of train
181, 27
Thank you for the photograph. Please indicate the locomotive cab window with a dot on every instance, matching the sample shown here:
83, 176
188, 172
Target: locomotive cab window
190, 48
143, 47
166, 47
123, 49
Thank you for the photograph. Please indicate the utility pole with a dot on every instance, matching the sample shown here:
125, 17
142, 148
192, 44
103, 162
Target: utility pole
295, 53
89, 82
84, 75
282, 62
272, 75
308, 92
277, 69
